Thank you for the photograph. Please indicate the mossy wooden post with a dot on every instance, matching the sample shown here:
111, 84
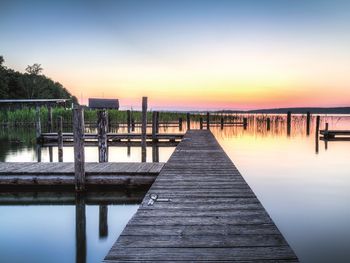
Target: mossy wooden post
208, 121
79, 155
60, 139
317, 132
154, 126
102, 124
222, 122
201, 123
155, 153
308, 120
268, 124
289, 121
180, 124
188, 119
80, 229
103, 221
128, 120
37, 123
144, 129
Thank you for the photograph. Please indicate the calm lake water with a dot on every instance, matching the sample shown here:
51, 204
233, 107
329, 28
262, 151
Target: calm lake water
305, 191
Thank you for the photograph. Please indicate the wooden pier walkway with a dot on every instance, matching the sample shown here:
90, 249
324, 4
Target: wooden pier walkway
62, 174
200, 209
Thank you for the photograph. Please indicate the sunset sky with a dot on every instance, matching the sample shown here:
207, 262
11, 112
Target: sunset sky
186, 54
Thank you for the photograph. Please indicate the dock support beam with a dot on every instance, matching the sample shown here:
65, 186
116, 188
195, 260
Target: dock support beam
79, 154
201, 123
180, 124
102, 124
60, 139
144, 129
188, 121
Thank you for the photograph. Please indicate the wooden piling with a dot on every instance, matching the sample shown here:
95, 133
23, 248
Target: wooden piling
154, 126
201, 123
37, 123
79, 155
222, 123
308, 120
289, 121
317, 133
155, 153
188, 121
144, 129
102, 126
80, 229
128, 116
180, 124
103, 221
268, 124
60, 139
157, 122
245, 123
132, 123
208, 121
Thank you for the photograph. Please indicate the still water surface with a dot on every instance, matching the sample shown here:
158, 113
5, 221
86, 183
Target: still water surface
305, 191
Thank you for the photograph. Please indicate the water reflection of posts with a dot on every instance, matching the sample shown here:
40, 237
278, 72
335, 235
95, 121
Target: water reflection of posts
317, 133
143, 129
103, 221
188, 121
60, 139
289, 121
308, 120
80, 229
208, 121
155, 153
180, 124
102, 124
79, 154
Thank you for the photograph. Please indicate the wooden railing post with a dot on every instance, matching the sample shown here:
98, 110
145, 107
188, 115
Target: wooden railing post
157, 122
180, 124
128, 117
222, 123
201, 123
49, 119
144, 129
79, 155
154, 126
102, 124
208, 121
188, 121
245, 123
60, 139
37, 123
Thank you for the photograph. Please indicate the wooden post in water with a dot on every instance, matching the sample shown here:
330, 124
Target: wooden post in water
245, 123
102, 126
289, 121
80, 229
201, 123
155, 153
103, 221
79, 155
326, 139
222, 122
317, 132
268, 124
154, 126
157, 122
308, 120
128, 117
208, 121
37, 122
144, 129
180, 124
132, 123
60, 139
188, 121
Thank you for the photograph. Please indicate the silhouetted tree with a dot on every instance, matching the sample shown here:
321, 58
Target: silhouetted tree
35, 69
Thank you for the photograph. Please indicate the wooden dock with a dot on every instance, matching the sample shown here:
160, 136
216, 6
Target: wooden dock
62, 174
335, 135
200, 209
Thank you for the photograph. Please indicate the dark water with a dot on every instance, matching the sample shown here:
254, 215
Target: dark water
305, 190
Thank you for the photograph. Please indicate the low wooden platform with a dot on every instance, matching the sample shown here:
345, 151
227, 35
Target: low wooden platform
98, 174
335, 135
200, 209
49, 137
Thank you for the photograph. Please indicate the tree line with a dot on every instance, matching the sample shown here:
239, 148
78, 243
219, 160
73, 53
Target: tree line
30, 85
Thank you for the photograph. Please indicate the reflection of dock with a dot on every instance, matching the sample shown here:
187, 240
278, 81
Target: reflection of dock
62, 174
335, 135
200, 209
